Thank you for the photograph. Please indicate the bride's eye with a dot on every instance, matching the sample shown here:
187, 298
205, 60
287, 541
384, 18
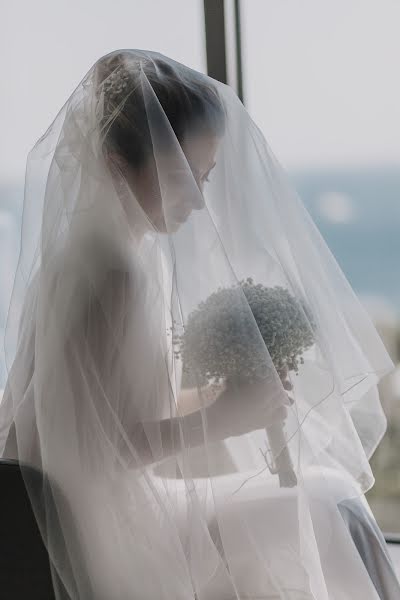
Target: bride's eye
206, 176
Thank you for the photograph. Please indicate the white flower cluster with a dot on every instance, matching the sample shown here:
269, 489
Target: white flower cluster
115, 87
222, 336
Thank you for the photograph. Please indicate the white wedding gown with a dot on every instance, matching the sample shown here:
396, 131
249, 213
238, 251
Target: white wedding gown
132, 510
354, 557
351, 546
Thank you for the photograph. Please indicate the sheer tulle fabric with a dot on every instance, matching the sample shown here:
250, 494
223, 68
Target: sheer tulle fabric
142, 498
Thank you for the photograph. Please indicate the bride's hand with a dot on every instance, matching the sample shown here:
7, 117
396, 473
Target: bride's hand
246, 407
193, 399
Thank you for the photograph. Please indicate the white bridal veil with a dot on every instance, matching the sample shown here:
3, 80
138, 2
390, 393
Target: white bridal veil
152, 190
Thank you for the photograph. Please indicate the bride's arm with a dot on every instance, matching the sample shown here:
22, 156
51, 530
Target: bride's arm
225, 413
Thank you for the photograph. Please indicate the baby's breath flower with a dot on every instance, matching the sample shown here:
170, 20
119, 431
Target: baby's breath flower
226, 335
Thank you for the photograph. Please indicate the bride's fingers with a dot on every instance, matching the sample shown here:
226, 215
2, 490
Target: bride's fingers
289, 400
287, 385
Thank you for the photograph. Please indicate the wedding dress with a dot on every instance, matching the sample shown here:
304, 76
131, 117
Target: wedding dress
151, 190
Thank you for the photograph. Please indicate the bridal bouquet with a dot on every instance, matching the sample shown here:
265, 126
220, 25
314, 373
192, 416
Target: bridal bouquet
220, 342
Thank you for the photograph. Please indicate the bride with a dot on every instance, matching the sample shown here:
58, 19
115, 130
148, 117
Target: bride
150, 191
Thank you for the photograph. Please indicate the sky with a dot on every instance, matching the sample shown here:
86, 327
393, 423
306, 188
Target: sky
47, 46
321, 79
321, 76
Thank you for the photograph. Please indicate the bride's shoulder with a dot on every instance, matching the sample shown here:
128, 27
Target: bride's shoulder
99, 280
101, 263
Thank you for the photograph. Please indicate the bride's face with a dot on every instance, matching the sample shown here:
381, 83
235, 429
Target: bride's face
167, 210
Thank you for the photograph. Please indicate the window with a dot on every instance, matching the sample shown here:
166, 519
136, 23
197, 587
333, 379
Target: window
319, 79
49, 48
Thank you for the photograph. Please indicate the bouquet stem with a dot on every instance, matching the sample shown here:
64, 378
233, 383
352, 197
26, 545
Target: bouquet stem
283, 463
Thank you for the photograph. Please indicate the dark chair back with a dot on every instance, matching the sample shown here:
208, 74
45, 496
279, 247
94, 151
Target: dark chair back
24, 561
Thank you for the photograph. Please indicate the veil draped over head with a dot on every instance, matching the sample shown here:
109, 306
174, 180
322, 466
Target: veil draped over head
150, 193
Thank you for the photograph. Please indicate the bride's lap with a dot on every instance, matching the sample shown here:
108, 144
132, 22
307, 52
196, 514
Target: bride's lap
274, 524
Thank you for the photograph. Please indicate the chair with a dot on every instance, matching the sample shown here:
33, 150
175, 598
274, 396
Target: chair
24, 561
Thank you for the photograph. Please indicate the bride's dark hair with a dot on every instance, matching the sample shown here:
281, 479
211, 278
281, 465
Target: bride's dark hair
190, 105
